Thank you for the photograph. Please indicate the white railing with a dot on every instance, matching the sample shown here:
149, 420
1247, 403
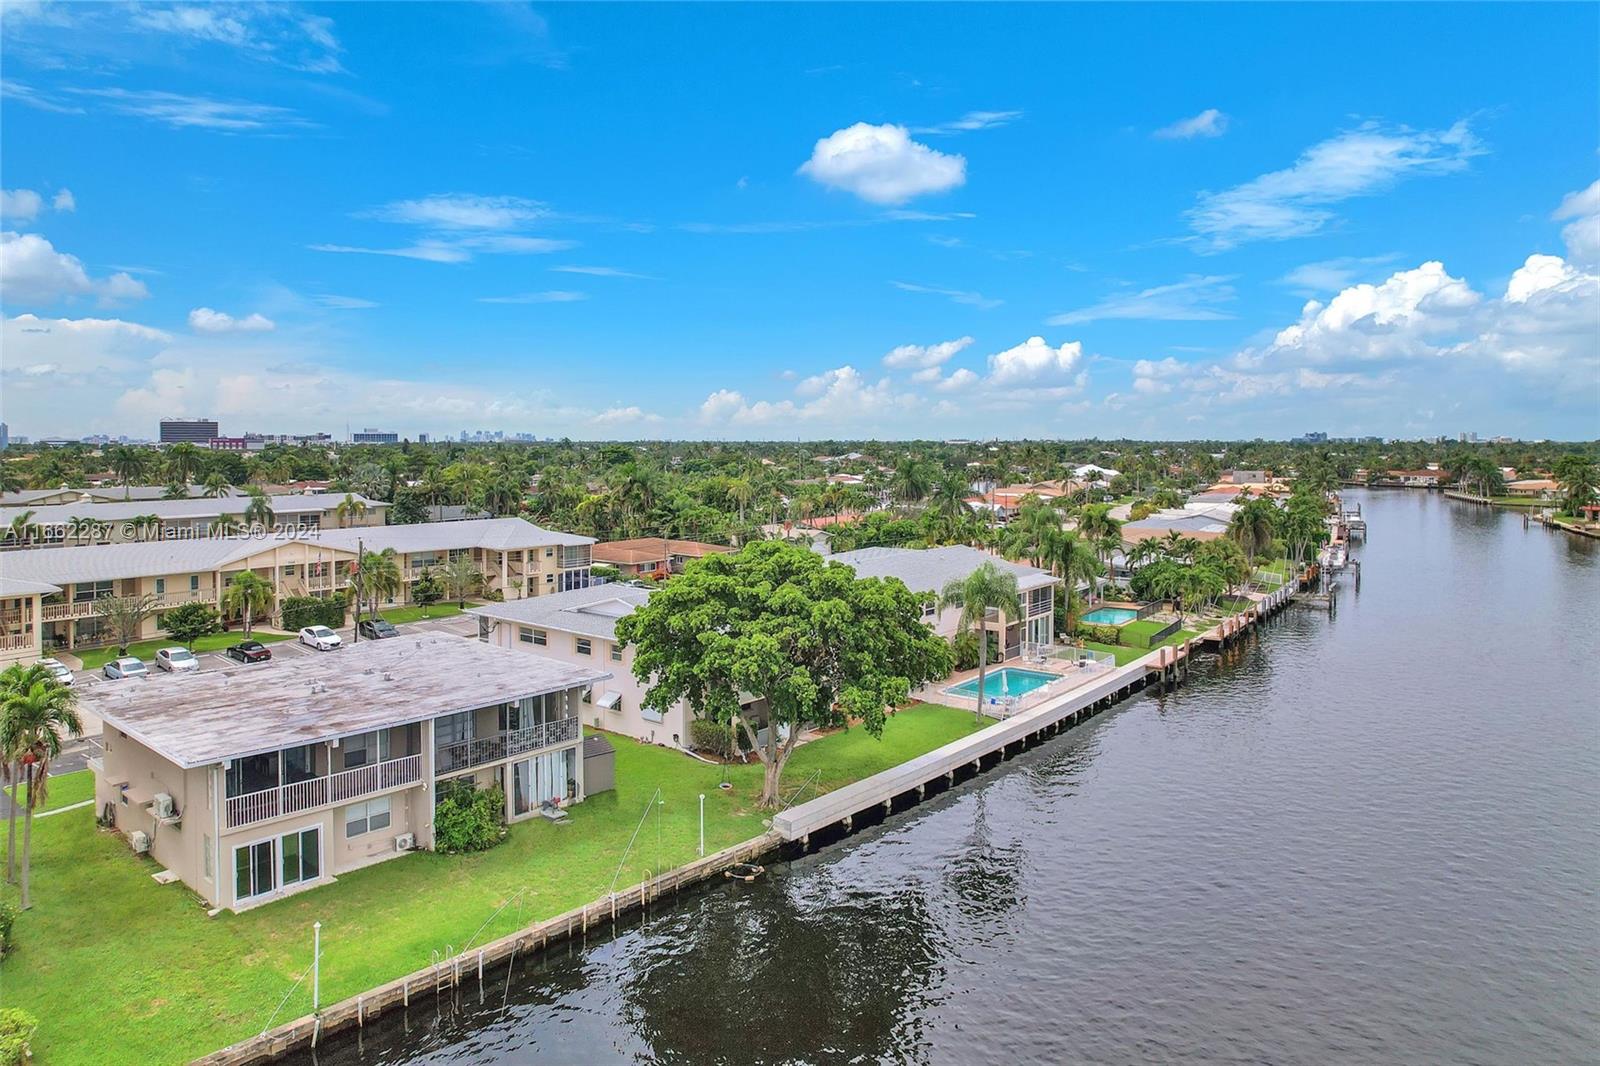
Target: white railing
465, 754
16, 642
323, 791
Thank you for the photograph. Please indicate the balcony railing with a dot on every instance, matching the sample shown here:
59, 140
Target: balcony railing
465, 754
57, 612
324, 791
16, 642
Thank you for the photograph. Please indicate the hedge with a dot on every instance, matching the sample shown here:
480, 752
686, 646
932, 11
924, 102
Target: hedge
711, 736
302, 611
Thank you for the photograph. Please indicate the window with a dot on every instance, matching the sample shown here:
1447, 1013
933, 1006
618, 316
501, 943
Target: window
525, 634
549, 553
540, 637
161, 588
252, 870
194, 582
616, 652
302, 855
368, 817
549, 579
364, 749
929, 609
90, 590
581, 645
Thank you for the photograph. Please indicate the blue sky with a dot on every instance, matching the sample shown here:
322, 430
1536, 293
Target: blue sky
772, 221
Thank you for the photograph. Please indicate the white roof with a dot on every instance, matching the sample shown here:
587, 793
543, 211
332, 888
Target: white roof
221, 714
10, 587
498, 534
931, 569
61, 513
105, 493
110, 562
590, 612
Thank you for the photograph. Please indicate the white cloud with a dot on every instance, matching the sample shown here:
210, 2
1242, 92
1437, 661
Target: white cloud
838, 397
183, 111
1582, 234
344, 303
1155, 377
625, 416
970, 299
78, 346
20, 205
64, 200
462, 211
960, 378
972, 120
1034, 361
924, 356
458, 250
601, 272
1330, 275
1208, 123
205, 320
32, 271
1294, 202
550, 296
1369, 322
882, 164
1190, 300
277, 33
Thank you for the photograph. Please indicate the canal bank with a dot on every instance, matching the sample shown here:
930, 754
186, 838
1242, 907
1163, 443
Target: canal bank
794, 832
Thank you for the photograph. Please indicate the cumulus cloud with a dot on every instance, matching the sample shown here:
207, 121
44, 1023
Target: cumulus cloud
1034, 361
838, 397
960, 378
1370, 322
1582, 233
1295, 201
1194, 299
625, 416
924, 356
1208, 123
882, 164
1152, 377
78, 345
205, 320
20, 205
32, 271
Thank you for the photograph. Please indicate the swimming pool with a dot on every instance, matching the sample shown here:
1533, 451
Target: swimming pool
1110, 616
1006, 681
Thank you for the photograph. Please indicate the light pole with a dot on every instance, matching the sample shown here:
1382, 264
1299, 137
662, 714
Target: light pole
702, 825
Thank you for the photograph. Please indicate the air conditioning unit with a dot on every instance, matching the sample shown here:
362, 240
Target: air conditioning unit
140, 841
161, 806
405, 842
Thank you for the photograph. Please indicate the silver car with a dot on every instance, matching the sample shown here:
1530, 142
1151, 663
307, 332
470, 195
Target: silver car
127, 666
58, 670
176, 660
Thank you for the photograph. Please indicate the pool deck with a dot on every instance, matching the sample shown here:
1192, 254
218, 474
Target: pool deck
1069, 676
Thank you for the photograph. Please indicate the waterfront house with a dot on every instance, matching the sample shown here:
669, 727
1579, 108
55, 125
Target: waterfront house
929, 570
1534, 488
654, 556
253, 782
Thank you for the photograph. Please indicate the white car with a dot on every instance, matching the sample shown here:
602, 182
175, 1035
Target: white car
321, 638
58, 670
127, 666
176, 660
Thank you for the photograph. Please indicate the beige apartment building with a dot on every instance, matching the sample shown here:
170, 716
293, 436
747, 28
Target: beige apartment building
20, 626
254, 782
84, 524
515, 558
578, 628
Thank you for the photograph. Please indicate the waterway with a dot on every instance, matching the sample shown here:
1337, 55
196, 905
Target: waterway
1366, 838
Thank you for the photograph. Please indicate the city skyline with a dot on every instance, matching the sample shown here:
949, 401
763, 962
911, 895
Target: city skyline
692, 223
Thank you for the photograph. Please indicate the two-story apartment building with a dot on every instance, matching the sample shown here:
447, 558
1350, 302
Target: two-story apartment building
653, 556
515, 557
85, 524
929, 570
20, 626
253, 782
578, 628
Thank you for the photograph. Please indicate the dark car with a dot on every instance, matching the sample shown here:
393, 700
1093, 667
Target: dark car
249, 651
376, 629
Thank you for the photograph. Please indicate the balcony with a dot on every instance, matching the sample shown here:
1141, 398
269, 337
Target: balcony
342, 787
16, 642
480, 751
59, 612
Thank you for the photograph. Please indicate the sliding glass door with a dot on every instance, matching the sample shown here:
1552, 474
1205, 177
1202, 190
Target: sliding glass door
262, 867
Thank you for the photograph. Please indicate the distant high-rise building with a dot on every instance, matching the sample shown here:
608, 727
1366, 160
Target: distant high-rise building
192, 430
5, 436
375, 436
422, 438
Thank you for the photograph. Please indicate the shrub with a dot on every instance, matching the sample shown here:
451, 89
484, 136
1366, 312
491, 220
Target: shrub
8, 918
1099, 634
709, 736
302, 611
16, 1033
188, 622
468, 819
965, 650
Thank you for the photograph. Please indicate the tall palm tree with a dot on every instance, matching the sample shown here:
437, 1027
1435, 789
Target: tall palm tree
183, 460
216, 485
988, 588
32, 721
1096, 525
350, 508
258, 512
23, 527
376, 576
1252, 526
1073, 560
129, 464
912, 480
15, 679
248, 595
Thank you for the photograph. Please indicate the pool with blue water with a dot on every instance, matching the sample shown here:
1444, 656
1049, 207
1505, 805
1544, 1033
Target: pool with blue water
1006, 681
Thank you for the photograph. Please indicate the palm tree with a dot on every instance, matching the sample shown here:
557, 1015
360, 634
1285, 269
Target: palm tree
16, 678
377, 574
258, 512
183, 460
1071, 558
129, 464
988, 588
143, 525
216, 485
913, 478
23, 527
1577, 477
1097, 526
350, 508
248, 595
32, 721
1252, 527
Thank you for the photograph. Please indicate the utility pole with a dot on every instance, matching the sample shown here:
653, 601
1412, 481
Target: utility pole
356, 573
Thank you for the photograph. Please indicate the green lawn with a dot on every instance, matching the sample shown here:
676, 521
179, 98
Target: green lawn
401, 615
169, 984
1125, 655
62, 791
95, 658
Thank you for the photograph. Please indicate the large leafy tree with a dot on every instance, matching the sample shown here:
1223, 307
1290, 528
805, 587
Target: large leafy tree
815, 644
988, 588
1578, 479
35, 714
188, 622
